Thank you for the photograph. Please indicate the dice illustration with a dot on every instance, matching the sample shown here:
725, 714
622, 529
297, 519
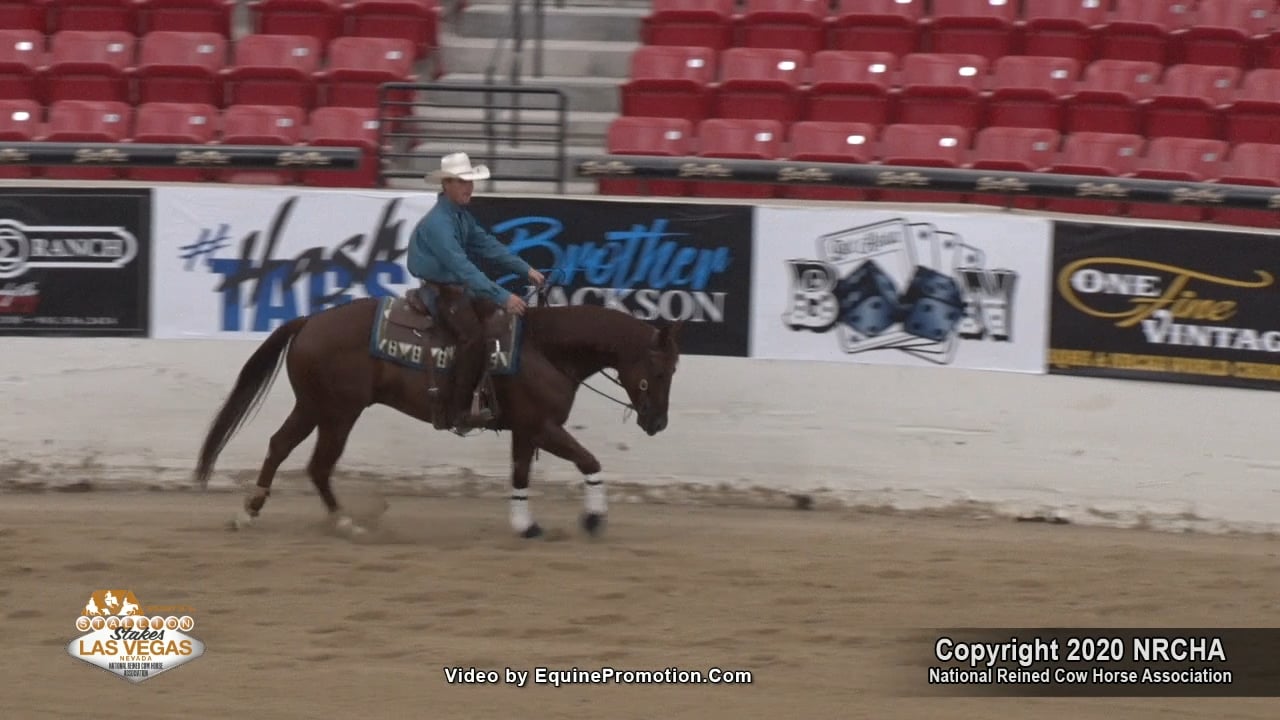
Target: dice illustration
934, 305
868, 300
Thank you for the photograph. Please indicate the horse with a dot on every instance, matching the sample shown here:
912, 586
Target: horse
390, 351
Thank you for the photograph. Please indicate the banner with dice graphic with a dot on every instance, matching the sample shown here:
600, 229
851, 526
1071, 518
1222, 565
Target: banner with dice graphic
895, 287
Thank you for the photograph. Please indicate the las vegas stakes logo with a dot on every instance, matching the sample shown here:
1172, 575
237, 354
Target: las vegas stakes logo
134, 642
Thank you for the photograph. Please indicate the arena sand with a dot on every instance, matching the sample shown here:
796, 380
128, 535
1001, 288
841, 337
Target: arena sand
818, 605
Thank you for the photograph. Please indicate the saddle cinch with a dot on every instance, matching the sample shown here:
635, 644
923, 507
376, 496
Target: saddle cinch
406, 333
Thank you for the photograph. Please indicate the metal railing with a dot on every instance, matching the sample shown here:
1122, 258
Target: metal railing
419, 122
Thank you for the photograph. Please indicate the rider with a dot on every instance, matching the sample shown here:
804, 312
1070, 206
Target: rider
443, 249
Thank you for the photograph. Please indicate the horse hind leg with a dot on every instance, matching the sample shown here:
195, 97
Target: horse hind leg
330, 444
557, 441
292, 432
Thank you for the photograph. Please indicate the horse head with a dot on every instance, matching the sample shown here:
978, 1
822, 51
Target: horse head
646, 376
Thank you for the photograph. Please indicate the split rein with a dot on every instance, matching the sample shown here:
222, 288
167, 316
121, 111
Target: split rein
541, 294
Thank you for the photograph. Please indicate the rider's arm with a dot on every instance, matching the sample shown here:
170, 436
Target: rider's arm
438, 235
492, 249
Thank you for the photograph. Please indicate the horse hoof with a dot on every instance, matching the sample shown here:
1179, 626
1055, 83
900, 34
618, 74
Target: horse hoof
348, 527
592, 523
241, 521
533, 531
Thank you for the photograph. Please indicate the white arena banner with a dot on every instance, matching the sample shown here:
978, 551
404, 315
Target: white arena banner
237, 262
899, 287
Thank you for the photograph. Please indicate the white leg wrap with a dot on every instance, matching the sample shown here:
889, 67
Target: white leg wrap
520, 516
594, 499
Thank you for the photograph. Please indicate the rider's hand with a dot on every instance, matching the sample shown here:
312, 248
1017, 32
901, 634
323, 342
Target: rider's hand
515, 305
536, 277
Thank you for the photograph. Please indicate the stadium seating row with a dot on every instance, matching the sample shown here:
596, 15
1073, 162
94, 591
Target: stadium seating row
415, 21
193, 123
195, 67
1241, 33
934, 145
1120, 96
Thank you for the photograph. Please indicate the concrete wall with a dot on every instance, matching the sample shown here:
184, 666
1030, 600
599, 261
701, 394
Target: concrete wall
133, 412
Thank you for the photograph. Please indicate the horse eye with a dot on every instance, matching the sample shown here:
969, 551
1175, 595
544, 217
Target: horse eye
644, 384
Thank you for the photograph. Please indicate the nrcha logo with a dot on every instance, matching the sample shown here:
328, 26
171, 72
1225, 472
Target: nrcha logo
900, 286
133, 641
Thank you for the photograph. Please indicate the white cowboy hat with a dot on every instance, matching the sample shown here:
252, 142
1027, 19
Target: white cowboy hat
458, 165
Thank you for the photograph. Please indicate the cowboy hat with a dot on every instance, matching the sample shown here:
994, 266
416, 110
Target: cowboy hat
458, 165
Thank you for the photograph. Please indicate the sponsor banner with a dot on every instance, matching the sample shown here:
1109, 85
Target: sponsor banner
134, 641
238, 262
74, 261
1166, 304
897, 287
657, 261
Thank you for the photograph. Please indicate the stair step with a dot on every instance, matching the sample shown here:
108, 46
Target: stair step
567, 23
440, 122
585, 94
526, 160
577, 58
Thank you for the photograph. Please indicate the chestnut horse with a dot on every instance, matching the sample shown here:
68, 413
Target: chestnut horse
335, 377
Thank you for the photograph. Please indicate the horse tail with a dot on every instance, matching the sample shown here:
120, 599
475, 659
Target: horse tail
256, 377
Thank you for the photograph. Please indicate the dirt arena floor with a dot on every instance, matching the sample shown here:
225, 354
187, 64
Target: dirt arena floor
817, 605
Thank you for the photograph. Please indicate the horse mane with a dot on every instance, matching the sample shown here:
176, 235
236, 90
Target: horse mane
589, 327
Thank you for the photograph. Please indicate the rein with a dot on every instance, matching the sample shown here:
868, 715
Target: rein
541, 294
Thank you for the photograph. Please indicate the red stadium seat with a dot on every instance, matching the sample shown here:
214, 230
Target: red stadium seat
359, 65
1095, 154
695, 23
97, 15
669, 81
181, 67
20, 121
1186, 103
738, 138
1224, 31
672, 137
1141, 29
89, 65
25, 15
851, 86
792, 24
760, 83
414, 21
878, 25
973, 27
22, 54
1016, 149
1062, 28
830, 142
1028, 91
261, 125
273, 70
321, 20
1250, 164
179, 123
1178, 158
345, 127
1013, 149
942, 89
923, 145
186, 16
1107, 97
88, 121
1253, 116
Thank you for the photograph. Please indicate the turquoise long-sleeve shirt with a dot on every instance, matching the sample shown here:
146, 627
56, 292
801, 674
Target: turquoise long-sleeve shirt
445, 243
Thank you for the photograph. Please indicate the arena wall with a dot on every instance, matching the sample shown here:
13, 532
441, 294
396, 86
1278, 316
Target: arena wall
965, 436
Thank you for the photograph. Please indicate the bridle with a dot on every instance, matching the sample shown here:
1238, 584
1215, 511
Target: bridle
628, 407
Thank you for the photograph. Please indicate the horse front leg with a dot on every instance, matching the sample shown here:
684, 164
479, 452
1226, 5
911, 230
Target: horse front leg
557, 441
522, 447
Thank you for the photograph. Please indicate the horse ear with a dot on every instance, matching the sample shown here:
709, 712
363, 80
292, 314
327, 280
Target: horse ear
669, 334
